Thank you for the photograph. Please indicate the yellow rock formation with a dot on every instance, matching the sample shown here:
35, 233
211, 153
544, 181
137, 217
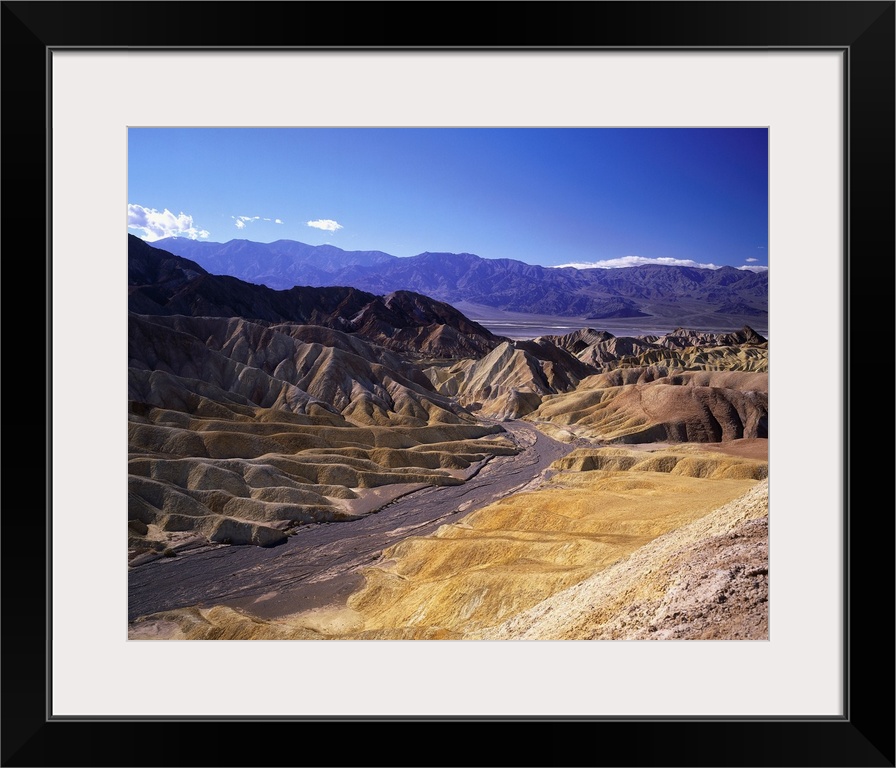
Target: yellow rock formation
494, 573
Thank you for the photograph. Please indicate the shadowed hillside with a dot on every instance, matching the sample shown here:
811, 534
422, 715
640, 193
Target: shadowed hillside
163, 284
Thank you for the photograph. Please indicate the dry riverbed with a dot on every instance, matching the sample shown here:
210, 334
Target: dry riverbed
466, 574
316, 566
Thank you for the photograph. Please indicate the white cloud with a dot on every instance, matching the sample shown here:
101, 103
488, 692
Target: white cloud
241, 221
158, 224
327, 224
751, 259
637, 261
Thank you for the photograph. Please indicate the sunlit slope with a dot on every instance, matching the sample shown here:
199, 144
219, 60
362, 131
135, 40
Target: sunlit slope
744, 350
517, 377
723, 358
654, 404
706, 580
682, 460
509, 556
511, 380
470, 579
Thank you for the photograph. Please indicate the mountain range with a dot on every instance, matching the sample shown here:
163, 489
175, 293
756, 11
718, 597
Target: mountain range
160, 283
727, 297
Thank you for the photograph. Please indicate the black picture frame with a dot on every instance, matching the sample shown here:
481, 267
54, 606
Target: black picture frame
863, 736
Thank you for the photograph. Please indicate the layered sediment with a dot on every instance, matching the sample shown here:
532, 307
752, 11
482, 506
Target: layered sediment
238, 433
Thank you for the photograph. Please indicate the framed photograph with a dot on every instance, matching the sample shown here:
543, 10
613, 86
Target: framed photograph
817, 76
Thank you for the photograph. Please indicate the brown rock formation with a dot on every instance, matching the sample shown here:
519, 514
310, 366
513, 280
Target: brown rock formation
642, 406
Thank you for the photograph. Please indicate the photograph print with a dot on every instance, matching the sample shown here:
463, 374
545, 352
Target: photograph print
448, 383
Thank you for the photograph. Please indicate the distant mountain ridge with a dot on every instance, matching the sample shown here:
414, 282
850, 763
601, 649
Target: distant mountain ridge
161, 283
279, 265
732, 296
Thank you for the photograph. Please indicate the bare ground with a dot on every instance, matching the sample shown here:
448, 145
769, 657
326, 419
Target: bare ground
320, 564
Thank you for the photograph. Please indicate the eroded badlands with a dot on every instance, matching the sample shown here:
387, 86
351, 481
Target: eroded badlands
254, 414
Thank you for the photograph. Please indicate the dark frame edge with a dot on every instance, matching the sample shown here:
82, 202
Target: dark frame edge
869, 228
25, 146
861, 737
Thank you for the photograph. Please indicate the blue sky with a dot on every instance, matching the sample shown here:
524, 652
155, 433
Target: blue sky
549, 196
